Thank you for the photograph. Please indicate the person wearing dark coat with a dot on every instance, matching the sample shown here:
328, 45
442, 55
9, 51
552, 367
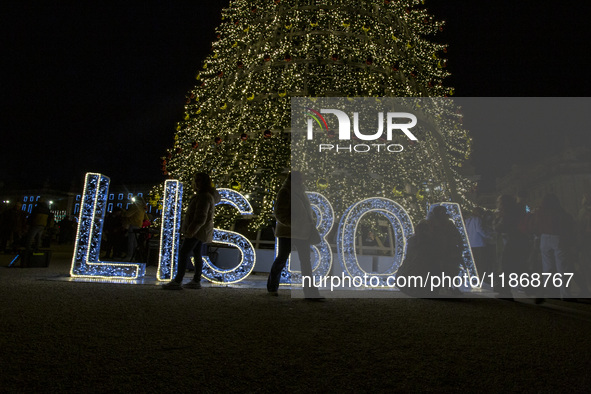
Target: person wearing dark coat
584, 242
556, 229
295, 223
13, 227
197, 228
512, 241
114, 233
418, 261
446, 241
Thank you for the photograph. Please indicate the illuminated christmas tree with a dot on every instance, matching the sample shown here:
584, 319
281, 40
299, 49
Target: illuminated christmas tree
237, 118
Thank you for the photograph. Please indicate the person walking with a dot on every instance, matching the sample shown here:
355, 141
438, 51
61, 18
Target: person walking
512, 242
197, 228
295, 224
556, 229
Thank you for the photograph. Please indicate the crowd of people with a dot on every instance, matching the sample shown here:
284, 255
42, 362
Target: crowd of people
512, 239
517, 239
34, 230
20, 230
122, 234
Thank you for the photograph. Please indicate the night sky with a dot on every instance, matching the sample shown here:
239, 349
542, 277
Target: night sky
100, 87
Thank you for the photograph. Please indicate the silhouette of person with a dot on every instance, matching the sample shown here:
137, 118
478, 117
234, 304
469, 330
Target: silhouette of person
13, 227
478, 236
133, 219
67, 230
418, 261
39, 219
114, 233
512, 242
584, 234
197, 228
556, 229
446, 241
295, 223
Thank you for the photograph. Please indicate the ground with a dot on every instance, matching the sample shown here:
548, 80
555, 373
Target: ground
63, 336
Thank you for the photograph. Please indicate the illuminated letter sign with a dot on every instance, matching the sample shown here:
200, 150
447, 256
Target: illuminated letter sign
321, 256
397, 217
237, 240
85, 263
170, 237
170, 230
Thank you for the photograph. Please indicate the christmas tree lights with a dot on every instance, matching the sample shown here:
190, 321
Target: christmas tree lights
237, 118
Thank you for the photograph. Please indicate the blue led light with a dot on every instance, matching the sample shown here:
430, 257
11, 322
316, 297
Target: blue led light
321, 254
455, 213
235, 199
398, 218
242, 270
170, 234
86, 263
231, 238
170, 230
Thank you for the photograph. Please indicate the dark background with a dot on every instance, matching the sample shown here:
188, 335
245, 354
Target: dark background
100, 86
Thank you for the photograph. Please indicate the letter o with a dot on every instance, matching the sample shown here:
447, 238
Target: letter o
395, 145
397, 217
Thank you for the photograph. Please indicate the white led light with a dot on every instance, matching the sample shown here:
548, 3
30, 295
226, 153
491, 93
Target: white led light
170, 230
86, 263
170, 233
398, 218
231, 238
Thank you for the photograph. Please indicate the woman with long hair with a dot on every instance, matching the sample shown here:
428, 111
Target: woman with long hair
197, 228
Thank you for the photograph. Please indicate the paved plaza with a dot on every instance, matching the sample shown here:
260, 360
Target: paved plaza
59, 335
